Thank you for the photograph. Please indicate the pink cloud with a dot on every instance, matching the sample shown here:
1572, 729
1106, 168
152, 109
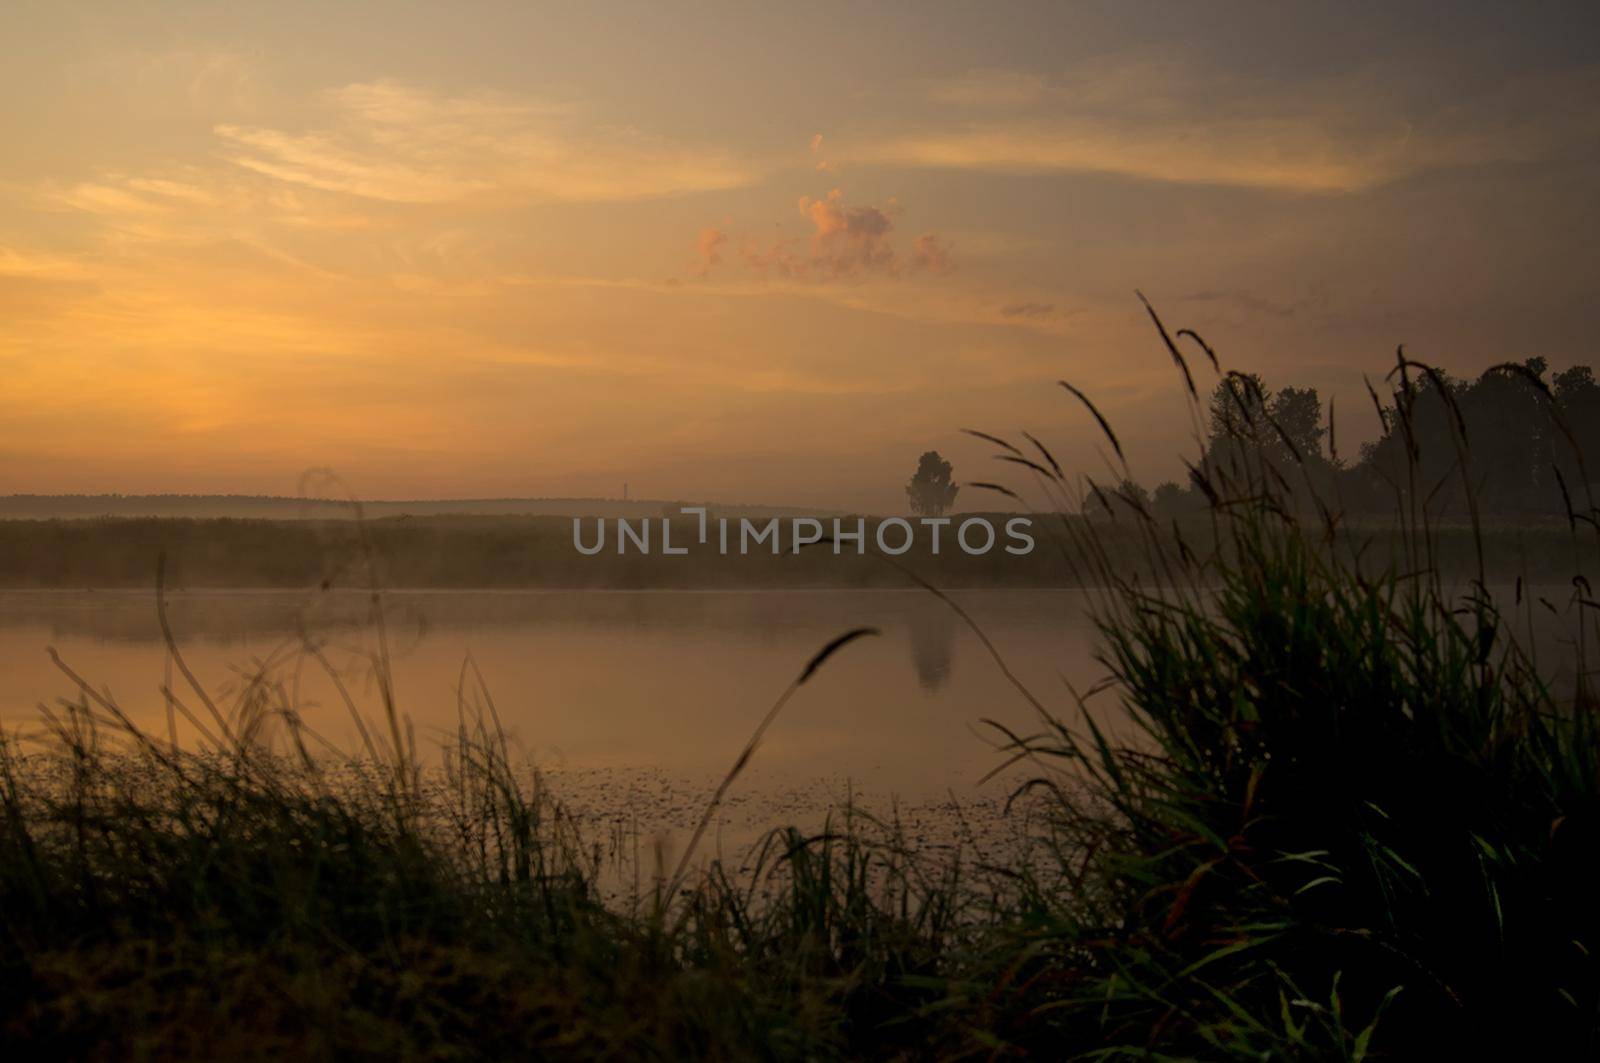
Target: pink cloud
849, 240
844, 242
708, 247
930, 253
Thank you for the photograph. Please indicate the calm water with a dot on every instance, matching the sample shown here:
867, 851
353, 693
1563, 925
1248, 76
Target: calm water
632, 704
620, 689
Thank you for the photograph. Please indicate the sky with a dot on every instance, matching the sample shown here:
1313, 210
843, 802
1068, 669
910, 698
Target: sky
752, 252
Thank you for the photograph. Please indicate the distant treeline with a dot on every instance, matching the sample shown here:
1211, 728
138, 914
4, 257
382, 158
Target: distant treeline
538, 552
459, 551
281, 507
1518, 441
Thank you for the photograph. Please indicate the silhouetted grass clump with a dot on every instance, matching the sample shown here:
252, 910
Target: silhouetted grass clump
1328, 802
1349, 812
1351, 817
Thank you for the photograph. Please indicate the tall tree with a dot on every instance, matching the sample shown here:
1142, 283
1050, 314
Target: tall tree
1578, 405
930, 491
1169, 500
1236, 407
1419, 442
1298, 413
1508, 434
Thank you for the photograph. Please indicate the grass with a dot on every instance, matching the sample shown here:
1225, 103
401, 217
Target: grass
1346, 813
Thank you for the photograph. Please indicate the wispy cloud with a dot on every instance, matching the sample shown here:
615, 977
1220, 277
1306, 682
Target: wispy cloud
1030, 310
1247, 301
18, 262
1159, 119
389, 141
1255, 154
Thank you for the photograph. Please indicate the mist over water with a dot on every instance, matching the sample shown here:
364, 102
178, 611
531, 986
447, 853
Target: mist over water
643, 682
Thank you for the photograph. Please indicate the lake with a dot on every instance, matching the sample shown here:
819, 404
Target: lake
631, 703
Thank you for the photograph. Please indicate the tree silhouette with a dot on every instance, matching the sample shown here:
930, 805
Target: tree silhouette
1244, 412
1236, 411
1170, 500
1297, 412
1578, 403
1494, 436
1523, 440
1509, 428
930, 491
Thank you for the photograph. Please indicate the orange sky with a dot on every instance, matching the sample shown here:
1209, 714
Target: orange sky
758, 254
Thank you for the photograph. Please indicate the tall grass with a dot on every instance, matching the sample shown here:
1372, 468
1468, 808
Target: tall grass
1327, 803
1352, 814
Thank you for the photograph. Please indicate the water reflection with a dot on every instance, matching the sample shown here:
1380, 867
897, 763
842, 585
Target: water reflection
933, 636
625, 680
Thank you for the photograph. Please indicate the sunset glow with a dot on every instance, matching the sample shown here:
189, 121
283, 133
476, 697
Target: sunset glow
771, 255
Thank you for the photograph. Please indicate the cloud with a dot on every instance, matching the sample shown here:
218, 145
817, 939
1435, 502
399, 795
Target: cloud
388, 141
216, 78
1245, 301
847, 241
1028, 310
844, 242
1160, 118
930, 253
177, 211
822, 165
173, 197
16, 262
708, 248
1263, 154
